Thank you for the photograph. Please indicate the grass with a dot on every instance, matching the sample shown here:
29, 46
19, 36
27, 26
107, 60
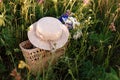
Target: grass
93, 56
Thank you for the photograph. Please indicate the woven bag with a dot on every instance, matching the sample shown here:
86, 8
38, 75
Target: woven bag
39, 59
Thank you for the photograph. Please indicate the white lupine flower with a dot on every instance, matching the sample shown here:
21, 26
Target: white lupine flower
109, 46
73, 21
77, 35
89, 18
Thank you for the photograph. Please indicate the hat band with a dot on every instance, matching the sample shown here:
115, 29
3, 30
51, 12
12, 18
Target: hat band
51, 43
40, 36
44, 38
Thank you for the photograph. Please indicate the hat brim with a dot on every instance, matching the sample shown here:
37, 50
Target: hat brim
37, 42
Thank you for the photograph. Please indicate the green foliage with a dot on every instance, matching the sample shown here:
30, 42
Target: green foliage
2, 67
98, 72
96, 39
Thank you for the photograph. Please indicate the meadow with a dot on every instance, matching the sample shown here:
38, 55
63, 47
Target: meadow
92, 55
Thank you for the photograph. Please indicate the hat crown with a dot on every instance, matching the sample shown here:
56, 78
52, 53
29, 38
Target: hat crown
49, 28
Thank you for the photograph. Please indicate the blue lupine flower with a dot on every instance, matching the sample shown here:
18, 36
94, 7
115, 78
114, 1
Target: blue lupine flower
64, 17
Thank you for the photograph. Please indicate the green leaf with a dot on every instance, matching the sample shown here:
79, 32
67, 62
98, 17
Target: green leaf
112, 75
2, 42
2, 68
16, 50
2, 23
8, 52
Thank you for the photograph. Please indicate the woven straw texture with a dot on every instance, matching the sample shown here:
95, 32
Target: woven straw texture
39, 59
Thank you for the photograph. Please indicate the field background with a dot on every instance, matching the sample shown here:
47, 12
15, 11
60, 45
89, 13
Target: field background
93, 56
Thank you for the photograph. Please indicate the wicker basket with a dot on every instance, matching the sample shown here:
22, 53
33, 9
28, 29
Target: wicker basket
39, 59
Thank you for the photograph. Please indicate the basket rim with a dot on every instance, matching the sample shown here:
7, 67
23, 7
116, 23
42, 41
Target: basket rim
21, 46
32, 49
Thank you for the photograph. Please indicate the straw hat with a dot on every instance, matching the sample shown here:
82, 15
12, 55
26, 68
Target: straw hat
48, 33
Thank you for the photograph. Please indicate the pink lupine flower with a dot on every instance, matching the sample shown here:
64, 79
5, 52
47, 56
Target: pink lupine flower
15, 74
0, 0
40, 1
112, 27
85, 2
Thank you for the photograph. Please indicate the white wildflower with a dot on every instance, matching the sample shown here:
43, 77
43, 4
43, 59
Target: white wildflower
89, 18
73, 21
77, 35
